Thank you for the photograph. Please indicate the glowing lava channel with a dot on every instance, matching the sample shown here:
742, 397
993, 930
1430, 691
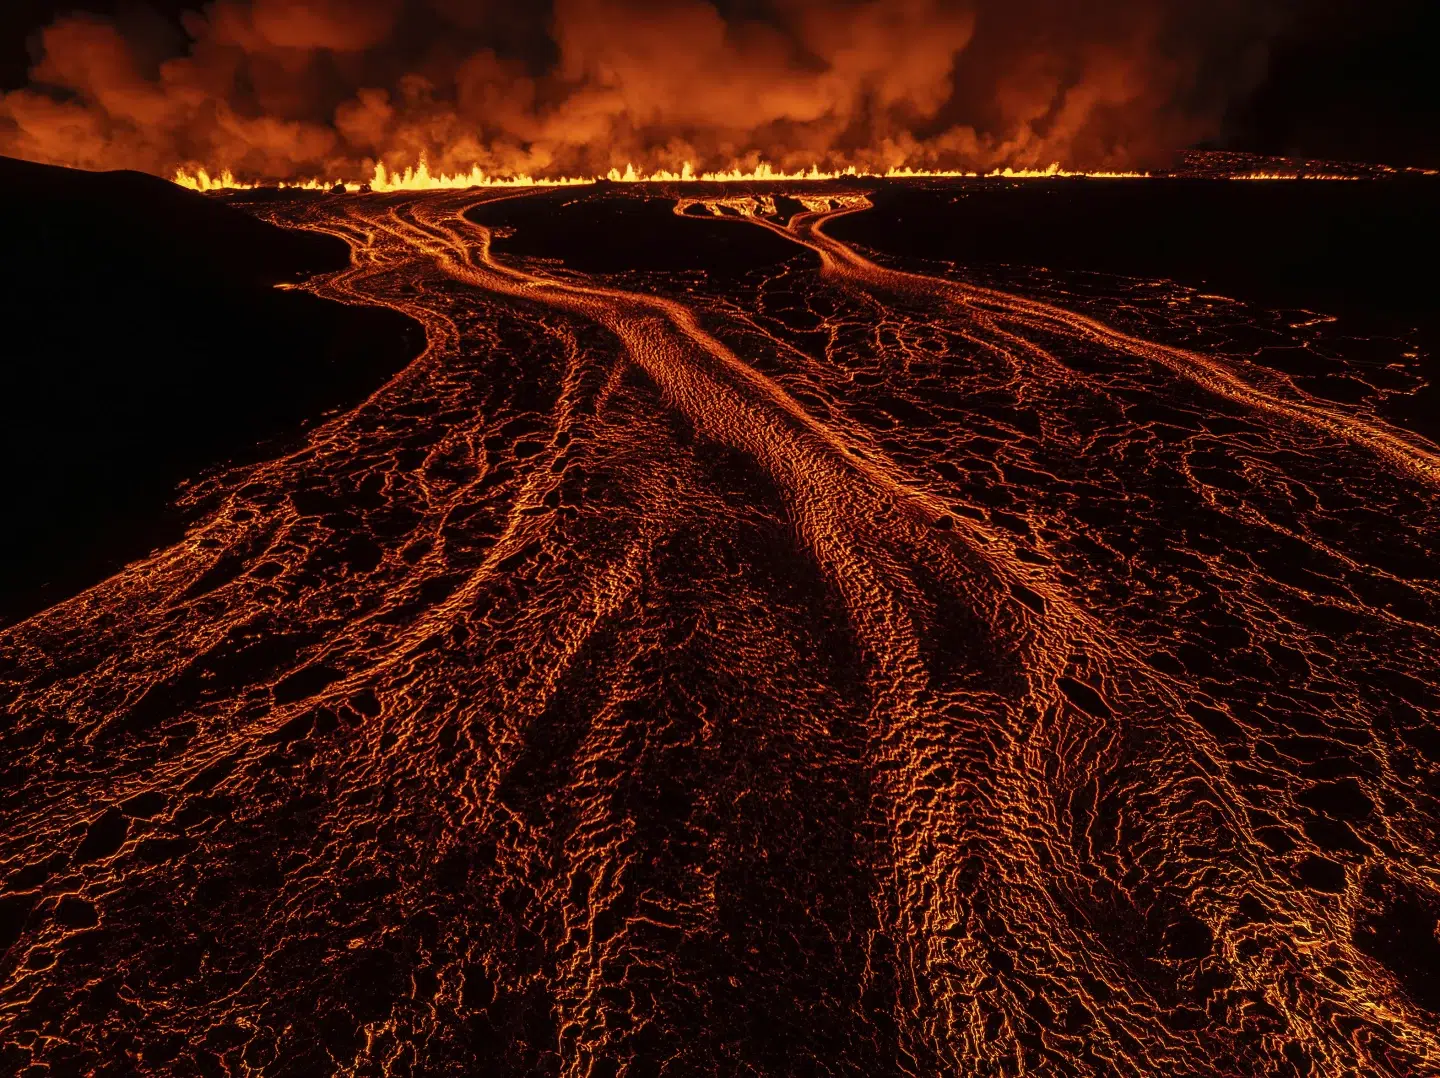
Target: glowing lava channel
641, 666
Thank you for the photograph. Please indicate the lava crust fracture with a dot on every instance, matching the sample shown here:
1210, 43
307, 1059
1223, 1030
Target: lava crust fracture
840, 665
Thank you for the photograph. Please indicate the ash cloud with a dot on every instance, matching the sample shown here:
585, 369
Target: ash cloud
285, 88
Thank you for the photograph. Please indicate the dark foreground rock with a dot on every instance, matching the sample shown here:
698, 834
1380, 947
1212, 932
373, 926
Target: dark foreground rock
146, 343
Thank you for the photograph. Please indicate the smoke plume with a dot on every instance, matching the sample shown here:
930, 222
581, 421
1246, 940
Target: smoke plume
286, 88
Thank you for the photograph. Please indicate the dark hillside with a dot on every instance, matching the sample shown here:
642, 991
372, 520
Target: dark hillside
144, 343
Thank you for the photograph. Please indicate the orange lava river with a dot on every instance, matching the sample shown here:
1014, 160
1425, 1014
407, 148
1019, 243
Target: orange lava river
848, 666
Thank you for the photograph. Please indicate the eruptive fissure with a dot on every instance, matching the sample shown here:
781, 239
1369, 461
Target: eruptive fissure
420, 178
866, 667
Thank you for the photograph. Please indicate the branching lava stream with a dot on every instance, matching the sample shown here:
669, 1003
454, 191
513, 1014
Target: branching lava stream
834, 668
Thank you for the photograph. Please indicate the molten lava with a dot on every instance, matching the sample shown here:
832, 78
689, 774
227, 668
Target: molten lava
828, 662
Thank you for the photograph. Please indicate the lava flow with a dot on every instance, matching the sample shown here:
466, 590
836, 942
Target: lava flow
834, 664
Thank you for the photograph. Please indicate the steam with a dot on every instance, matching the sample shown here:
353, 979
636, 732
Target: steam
286, 88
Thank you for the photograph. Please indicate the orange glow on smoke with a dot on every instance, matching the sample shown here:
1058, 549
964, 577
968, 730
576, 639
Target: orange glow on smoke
322, 90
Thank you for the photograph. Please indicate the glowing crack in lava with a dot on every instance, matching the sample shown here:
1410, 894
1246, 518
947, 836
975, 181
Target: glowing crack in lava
836, 667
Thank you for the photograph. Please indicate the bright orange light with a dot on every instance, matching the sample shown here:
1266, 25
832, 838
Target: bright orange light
1056, 171
420, 178
1292, 176
200, 180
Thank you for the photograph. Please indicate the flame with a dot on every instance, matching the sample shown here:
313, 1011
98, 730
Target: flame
1056, 171
1291, 176
200, 180
420, 178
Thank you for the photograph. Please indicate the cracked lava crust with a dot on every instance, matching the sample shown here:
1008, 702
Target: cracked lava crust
843, 665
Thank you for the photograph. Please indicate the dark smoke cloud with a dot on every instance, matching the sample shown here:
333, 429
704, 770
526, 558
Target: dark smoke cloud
281, 88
